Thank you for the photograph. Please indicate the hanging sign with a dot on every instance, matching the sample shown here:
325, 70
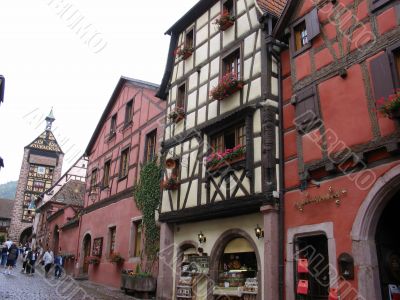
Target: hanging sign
331, 195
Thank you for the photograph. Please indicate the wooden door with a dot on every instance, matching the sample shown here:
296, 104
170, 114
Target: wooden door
86, 249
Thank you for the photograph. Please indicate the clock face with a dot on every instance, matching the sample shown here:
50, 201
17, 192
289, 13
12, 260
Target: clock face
41, 170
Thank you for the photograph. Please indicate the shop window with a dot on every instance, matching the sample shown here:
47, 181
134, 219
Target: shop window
180, 100
150, 152
304, 31
189, 39
231, 64
128, 113
124, 163
229, 139
106, 174
375, 4
238, 268
136, 239
113, 125
380, 67
93, 180
314, 249
111, 235
307, 110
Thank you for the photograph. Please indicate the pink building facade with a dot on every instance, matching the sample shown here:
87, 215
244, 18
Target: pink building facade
126, 136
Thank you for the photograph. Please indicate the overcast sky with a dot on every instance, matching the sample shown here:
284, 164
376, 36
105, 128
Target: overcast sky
69, 55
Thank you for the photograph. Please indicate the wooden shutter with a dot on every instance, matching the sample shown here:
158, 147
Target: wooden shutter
381, 77
312, 24
378, 3
307, 109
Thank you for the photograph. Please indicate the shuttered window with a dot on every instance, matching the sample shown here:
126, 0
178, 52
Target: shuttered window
375, 4
385, 73
106, 174
150, 152
124, 163
304, 31
307, 110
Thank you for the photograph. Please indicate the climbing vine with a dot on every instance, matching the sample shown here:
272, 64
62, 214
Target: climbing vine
147, 197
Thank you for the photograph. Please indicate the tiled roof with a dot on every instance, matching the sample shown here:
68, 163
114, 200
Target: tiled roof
274, 7
6, 207
71, 193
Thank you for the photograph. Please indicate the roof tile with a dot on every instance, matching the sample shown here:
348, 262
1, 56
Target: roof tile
274, 7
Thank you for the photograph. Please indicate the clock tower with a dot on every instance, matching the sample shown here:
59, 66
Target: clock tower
41, 168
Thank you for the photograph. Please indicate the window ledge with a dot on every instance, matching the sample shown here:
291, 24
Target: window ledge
122, 178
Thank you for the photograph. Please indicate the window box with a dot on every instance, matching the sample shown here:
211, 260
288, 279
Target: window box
116, 258
230, 156
177, 114
170, 184
225, 21
144, 283
390, 107
184, 52
228, 85
93, 260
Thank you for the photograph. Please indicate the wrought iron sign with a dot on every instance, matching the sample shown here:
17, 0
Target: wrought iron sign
332, 195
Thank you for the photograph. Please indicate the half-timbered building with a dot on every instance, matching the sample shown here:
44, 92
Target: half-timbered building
341, 148
126, 136
219, 212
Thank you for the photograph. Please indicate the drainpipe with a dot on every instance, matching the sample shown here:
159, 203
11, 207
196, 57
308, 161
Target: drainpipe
281, 230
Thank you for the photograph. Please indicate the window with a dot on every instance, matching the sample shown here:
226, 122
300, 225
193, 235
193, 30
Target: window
150, 151
315, 250
229, 139
307, 110
300, 36
228, 7
375, 4
189, 40
304, 31
380, 67
231, 64
113, 125
124, 163
93, 179
136, 238
128, 112
106, 174
38, 186
111, 234
180, 99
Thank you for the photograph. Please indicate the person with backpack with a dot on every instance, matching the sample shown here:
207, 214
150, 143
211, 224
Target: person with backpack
11, 258
58, 262
31, 260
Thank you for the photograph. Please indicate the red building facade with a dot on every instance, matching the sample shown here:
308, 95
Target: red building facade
126, 136
341, 162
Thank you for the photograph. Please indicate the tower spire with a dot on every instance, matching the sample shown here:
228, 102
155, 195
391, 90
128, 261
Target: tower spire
49, 120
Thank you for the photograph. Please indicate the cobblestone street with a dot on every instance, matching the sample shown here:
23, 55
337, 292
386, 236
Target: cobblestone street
20, 286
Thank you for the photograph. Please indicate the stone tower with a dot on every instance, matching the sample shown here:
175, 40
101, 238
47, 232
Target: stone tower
41, 168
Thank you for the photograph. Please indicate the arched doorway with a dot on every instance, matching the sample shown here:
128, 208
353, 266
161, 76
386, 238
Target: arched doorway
56, 239
26, 236
87, 242
235, 262
367, 243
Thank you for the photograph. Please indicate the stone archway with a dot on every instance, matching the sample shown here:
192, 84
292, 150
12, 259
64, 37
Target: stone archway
364, 229
26, 235
218, 250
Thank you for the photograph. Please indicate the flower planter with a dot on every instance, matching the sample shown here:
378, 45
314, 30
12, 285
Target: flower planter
170, 185
177, 115
225, 163
225, 25
186, 55
394, 115
183, 53
142, 285
228, 85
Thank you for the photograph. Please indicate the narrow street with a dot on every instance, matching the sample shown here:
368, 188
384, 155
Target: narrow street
21, 286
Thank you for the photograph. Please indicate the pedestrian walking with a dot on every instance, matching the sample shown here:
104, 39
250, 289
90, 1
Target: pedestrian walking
4, 251
24, 259
11, 258
9, 243
58, 263
31, 260
48, 259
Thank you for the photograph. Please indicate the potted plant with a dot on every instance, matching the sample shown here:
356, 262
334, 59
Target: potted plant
228, 85
67, 256
225, 20
116, 258
184, 52
177, 114
92, 260
229, 156
390, 107
142, 283
171, 183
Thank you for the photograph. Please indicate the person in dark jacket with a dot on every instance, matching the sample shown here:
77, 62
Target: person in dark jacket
4, 252
31, 260
11, 258
58, 262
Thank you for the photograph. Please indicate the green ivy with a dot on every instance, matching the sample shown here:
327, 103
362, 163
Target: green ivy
147, 197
